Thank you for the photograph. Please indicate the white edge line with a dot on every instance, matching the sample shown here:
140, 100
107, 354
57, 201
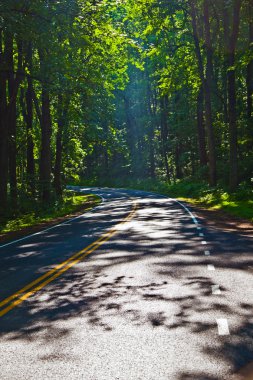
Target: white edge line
187, 209
80, 216
177, 201
50, 228
166, 197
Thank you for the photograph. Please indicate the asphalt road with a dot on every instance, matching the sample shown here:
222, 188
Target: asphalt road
155, 296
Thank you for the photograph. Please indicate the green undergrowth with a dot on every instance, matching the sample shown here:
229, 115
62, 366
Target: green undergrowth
31, 215
239, 203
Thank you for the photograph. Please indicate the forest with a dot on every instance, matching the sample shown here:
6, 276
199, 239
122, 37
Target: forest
107, 91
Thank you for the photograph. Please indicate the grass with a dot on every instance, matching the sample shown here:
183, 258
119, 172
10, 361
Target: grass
239, 204
239, 208
71, 203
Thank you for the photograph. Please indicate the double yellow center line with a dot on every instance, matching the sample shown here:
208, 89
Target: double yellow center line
21, 295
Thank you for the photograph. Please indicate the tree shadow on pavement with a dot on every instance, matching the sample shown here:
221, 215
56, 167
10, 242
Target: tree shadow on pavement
146, 276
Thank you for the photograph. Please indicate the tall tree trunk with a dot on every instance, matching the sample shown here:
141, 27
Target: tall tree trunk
8, 81
46, 133
232, 114
225, 64
151, 133
201, 128
11, 120
106, 145
63, 105
250, 75
208, 103
131, 135
45, 154
3, 131
165, 133
151, 151
178, 152
58, 156
30, 164
27, 112
200, 100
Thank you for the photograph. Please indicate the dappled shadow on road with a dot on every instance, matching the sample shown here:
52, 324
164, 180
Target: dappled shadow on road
153, 274
35, 255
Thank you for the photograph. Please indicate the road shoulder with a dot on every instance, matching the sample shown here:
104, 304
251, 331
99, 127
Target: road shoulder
7, 237
222, 221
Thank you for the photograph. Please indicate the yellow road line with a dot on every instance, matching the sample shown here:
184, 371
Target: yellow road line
24, 293
47, 274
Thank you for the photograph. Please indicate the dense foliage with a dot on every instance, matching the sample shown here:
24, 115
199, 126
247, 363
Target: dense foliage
123, 88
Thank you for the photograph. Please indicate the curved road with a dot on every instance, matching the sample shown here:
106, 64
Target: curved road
135, 289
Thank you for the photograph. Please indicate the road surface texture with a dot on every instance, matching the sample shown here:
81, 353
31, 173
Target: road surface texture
155, 296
